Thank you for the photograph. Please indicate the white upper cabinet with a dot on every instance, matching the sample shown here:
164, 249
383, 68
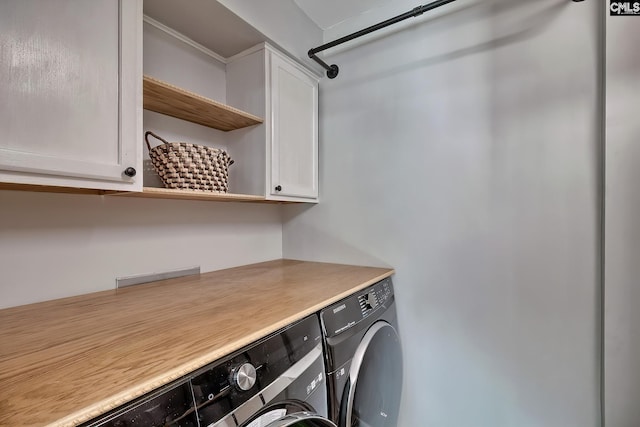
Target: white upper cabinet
294, 141
71, 87
281, 155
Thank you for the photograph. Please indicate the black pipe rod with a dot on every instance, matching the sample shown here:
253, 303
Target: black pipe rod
320, 61
413, 12
332, 70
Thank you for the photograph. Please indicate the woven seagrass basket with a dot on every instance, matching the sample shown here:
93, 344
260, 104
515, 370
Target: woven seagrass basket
185, 166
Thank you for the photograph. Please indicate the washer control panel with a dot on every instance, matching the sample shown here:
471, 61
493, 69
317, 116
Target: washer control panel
227, 390
234, 383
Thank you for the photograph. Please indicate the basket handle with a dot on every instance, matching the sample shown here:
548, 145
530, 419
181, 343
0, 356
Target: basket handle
146, 138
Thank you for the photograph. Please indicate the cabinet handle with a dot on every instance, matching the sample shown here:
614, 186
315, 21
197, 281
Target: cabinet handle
278, 188
130, 172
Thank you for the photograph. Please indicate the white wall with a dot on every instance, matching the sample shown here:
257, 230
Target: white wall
57, 245
622, 228
170, 59
464, 152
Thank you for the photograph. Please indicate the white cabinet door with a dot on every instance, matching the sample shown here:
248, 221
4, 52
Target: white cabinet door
70, 85
294, 139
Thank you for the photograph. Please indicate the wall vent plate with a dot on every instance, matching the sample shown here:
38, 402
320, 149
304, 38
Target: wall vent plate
123, 282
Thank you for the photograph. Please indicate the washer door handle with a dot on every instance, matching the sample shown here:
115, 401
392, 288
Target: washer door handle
293, 373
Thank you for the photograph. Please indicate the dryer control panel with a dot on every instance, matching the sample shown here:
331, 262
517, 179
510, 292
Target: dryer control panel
376, 295
349, 312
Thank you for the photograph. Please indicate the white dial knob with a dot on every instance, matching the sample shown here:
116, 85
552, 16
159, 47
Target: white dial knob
244, 376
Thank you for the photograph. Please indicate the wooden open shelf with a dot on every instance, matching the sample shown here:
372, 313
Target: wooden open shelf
173, 101
147, 193
167, 193
8, 186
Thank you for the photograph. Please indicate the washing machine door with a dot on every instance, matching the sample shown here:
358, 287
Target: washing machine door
302, 419
372, 394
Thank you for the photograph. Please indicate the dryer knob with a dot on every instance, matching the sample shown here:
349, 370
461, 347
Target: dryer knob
244, 376
372, 300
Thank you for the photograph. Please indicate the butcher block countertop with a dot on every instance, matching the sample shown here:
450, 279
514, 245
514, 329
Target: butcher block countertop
66, 361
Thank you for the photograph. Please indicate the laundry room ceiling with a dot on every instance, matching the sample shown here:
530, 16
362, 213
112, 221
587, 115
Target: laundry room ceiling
327, 13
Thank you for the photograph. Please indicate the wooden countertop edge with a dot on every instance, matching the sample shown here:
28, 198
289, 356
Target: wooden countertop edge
132, 393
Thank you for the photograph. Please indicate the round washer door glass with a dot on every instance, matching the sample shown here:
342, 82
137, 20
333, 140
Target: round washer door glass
375, 380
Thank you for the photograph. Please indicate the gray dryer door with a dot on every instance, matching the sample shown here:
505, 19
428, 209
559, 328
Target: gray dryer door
372, 394
302, 419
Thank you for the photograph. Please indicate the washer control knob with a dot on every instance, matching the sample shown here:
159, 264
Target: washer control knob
244, 376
